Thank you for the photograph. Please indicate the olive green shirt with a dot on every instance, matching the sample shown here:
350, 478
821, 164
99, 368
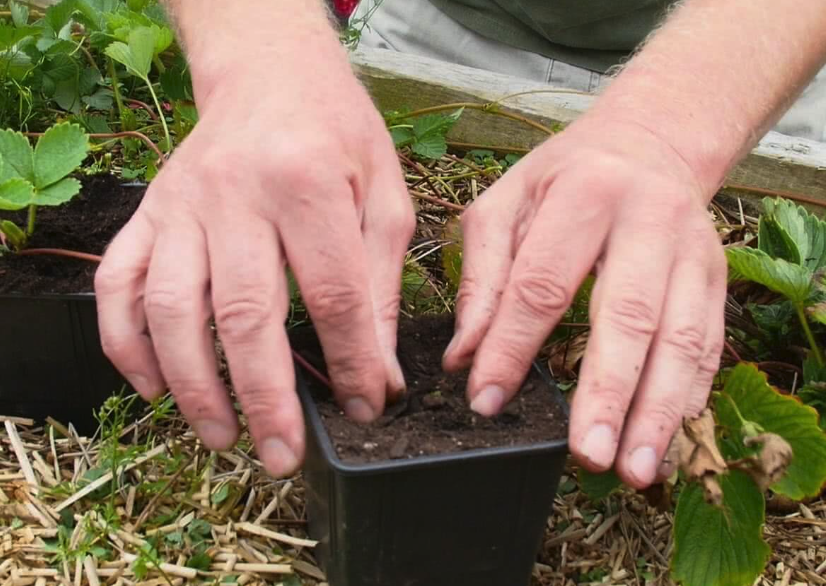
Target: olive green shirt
593, 34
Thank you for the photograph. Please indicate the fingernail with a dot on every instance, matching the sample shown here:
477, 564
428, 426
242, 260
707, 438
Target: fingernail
666, 470
397, 377
359, 410
278, 458
643, 464
216, 436
453, 344
488, 402
599, 445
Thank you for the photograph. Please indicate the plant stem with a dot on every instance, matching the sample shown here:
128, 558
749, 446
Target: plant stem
160, 115
115, 86
32, 216
489, 107
809, 336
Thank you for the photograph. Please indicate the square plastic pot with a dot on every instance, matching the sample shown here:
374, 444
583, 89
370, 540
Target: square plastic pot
474, 518
51, 360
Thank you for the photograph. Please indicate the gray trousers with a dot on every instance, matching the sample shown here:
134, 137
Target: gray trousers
417, 27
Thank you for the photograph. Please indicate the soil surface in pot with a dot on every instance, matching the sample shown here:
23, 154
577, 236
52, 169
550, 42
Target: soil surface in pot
434, 418
86, 224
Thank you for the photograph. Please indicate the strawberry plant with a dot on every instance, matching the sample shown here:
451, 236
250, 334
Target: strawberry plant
753, 438
33, 177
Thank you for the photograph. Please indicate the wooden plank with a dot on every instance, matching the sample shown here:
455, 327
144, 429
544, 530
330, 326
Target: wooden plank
397, 80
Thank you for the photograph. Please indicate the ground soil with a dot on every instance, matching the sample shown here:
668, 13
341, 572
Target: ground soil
86, 224
435, 417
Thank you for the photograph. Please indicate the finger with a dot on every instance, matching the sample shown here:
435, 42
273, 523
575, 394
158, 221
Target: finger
119, 285
488, 249
251, 299
388, 225
626, 305
554, 258
669, 373
715, 315
321, 234
178, 312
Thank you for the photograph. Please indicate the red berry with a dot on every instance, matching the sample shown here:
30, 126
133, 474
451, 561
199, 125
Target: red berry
344, 8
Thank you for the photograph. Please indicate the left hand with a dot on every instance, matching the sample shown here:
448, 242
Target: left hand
613, 195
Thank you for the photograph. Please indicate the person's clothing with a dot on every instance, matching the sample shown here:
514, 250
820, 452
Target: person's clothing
420, 28
592, 34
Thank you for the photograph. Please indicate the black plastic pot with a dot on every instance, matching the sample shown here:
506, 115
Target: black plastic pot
51, 361
469, 519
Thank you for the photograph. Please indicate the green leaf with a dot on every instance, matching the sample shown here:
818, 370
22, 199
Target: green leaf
57, 193
16, 194
60, 67
775, 318
292, 580
59, 152
19, 13
164, 38
402, 136
812, 371
220, 495
67, 95
452, 252
14, 234
431, 146
17, 154
188, 112
100, 100
200, 561
720, 547
142, 41
137, 55
11, 36
774, 240
59, 15
793, 281
176, 82
435, 124
806, 230
598, 486
786, 416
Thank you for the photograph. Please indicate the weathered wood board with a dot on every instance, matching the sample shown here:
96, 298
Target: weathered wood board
397, 80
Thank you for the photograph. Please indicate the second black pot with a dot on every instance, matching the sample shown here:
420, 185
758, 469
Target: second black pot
51, 360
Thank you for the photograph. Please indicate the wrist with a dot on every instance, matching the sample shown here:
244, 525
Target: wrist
228, 42
706, 145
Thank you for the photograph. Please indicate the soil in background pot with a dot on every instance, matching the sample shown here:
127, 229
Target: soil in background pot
434, 418
86, 224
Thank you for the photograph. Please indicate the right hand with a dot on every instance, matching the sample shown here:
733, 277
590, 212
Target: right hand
289, 165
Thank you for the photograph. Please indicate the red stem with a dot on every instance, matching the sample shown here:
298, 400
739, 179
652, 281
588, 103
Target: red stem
143, 105
732, 351
60, 252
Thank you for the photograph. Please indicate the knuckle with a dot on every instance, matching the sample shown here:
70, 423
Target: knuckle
260, 403
334, 304
611, 394
633, 316
687, 342
116, 348
710, 362
240, 317
664, 416
108, 280
166, 303
192, 396
541, 292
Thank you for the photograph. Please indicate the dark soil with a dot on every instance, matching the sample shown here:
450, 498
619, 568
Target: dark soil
434, 418
86, 224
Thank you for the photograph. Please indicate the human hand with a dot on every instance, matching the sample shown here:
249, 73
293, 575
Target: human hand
614, 195
290, 164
